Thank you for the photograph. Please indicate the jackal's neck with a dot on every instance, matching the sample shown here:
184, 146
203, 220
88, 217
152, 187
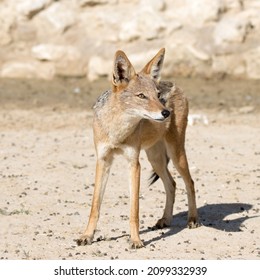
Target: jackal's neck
112, 121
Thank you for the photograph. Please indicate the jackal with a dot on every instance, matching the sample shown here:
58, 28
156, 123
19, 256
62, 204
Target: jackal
141, 112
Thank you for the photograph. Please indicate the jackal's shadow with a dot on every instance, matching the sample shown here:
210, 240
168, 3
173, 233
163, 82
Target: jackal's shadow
211, 215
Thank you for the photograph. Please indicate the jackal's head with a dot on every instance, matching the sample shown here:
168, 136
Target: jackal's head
138, 93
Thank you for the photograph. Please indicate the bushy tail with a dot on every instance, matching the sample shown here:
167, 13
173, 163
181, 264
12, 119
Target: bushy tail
154, 177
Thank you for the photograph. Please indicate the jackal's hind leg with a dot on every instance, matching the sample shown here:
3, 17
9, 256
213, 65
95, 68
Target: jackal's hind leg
177, 153
159, 161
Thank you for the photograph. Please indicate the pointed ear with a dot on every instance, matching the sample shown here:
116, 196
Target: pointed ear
123, 71
154, 66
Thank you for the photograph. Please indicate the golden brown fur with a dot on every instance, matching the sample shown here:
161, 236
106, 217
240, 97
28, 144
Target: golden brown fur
140, 112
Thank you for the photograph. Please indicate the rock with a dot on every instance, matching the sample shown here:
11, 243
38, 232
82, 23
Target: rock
6, 23
98, 67
55, 52
30, 8
231, 30
27, 69
129, 31
184, 58
146, 24
60, 16
67, 59
252, 61
196, 13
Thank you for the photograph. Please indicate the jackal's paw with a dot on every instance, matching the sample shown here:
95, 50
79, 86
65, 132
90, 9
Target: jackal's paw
193, 222
84, 240
162, 223
136, 244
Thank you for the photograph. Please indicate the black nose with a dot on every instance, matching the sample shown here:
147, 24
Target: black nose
165, 113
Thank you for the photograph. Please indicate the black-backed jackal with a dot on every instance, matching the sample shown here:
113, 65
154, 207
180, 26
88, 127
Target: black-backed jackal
141, 112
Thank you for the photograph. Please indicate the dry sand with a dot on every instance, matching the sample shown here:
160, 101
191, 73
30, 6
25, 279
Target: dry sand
47, 164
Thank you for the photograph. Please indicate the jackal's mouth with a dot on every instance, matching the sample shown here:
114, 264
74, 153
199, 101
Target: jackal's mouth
160, 119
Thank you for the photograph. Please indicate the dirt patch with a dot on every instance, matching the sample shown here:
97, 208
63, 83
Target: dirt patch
47, 165
215, 94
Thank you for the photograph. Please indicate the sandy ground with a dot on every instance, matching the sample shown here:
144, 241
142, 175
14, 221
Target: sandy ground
47, 164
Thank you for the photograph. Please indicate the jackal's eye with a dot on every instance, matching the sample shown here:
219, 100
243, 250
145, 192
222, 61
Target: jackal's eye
141, 95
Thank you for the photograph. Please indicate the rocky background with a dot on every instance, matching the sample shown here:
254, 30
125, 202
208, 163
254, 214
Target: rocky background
78, 38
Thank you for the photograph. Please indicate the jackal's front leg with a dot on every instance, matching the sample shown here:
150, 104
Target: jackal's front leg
134, 204
102, 172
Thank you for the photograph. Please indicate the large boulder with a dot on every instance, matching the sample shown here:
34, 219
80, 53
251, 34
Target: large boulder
196, 12
146, 24
98, 67
68, 60
231, 30
53, 52
59, 16
27, 69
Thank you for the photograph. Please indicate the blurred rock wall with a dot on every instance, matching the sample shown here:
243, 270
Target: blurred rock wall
78, 38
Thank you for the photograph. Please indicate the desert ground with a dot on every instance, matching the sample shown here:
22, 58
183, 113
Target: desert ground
47, 165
